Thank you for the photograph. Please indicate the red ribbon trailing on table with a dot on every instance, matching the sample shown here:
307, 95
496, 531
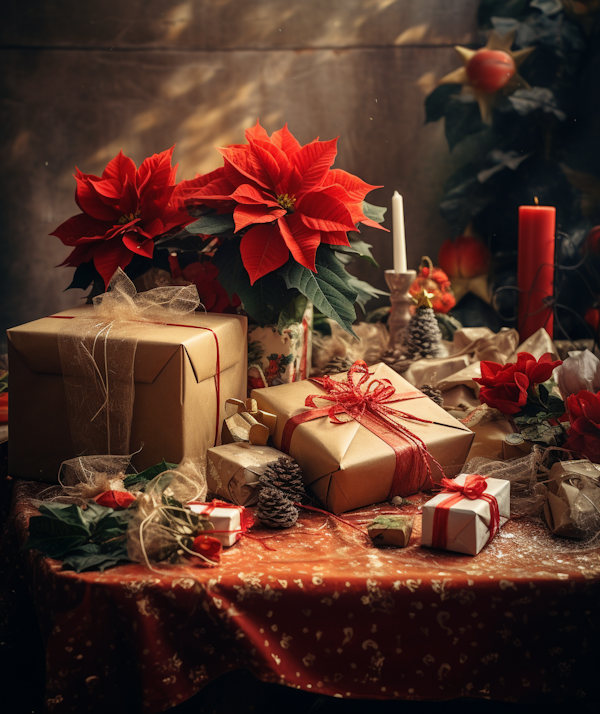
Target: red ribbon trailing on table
472, 489
370, 407
218, 365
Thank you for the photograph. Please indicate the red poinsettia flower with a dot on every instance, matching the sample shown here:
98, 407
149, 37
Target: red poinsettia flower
584, 432
119, 500
123, 211
505, 387
285, 194
208, 546
204, 275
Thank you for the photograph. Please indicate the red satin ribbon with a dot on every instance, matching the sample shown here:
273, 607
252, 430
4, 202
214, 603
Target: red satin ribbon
370, 407
193, 327
472, 489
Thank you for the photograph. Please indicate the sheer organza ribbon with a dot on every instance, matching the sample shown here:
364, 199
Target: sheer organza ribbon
97, 354
472, 489
369, 403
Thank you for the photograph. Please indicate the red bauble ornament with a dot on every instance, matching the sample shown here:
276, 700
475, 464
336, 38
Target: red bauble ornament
466, 257
592, 242
490, 70
436, 282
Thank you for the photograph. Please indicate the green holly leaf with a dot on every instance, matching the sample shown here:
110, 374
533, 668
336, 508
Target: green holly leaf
148, 474
357, 247
375, 213
437, 103
328, 289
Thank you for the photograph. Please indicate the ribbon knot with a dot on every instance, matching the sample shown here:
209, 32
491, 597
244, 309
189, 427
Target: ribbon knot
473, 488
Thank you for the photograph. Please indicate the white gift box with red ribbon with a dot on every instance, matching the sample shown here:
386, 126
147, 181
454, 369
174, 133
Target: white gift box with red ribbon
463, 524
229, 521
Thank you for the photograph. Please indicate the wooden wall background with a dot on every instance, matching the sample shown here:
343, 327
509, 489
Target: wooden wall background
82, 79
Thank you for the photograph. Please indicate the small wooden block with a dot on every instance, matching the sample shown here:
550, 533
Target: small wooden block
391, 530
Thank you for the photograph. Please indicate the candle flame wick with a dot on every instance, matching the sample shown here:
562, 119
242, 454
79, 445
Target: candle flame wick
535, 198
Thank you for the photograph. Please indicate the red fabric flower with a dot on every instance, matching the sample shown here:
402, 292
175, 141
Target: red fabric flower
208, 546
287, 193
119, 500
204, 275
584, 432
123, 211
505, 387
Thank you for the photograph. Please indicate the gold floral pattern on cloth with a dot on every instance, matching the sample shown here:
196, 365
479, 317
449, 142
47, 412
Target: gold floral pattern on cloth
326, 613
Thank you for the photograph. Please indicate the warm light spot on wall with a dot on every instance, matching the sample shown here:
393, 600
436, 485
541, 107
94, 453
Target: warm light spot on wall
427, 82
412, 34
178, 19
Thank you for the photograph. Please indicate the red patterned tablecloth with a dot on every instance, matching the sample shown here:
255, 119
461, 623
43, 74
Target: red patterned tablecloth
325, 613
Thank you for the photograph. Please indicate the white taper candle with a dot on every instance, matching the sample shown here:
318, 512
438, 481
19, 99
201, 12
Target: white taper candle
399, 239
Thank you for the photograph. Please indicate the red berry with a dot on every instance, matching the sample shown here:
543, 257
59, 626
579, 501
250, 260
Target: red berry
490, 70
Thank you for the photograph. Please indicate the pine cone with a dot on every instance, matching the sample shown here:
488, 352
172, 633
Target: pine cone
336, 365
422, 336
434, 394
286, 475
275, 509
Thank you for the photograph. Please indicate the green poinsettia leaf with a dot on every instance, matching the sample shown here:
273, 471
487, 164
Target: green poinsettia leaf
113, 525
365, 292
293, 313
375, 213
148, 474
357, 247
462, 119
212, 225
91, 557
85, 274
58, 529
183, 242
328, 289
436, 103
544, 394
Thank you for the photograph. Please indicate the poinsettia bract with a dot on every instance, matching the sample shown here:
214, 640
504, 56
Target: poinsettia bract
285, 196
123, 211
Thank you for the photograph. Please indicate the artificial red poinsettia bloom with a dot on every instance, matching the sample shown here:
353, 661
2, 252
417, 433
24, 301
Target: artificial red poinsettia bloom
208, 546
537, 371
204, 275
285, 195
502, 387
584, 432
124, 210
119, 500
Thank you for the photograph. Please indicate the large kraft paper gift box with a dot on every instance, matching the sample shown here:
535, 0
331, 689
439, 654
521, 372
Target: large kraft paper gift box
347, 466
175, 409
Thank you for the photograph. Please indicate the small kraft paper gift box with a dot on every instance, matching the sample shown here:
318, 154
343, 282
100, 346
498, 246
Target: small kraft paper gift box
466, 515
229, 522
572, 507
233, 470
120, 378
364, 436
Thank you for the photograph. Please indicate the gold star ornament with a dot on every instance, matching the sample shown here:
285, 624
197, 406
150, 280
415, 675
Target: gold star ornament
422, 298
490, 71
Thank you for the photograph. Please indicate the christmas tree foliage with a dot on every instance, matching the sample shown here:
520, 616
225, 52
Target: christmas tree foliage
522, 120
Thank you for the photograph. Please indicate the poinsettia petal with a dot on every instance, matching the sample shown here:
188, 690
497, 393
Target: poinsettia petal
156, 170
302, 241
82, 253
374, 224
590, 407
246, 215
274, 160
356, 188
335, 238
263, 250
245, 162
90, 202
80, 227
120, 168
324, 213
188, 188
137, 244
256, 132
129, 202
109, 256
313, 161
251, 195
285, 140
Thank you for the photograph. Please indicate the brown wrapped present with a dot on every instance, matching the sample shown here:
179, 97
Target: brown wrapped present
169, 376
233, 470
391, 530
572, 508
353, 458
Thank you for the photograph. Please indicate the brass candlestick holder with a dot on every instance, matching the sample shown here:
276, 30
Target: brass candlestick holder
400, 299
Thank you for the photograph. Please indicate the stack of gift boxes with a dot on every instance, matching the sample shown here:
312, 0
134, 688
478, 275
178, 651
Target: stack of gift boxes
189, 393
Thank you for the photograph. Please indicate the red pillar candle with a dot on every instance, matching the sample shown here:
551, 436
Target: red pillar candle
535, 273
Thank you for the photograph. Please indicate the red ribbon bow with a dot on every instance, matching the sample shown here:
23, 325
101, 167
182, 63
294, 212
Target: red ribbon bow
370, 407
473, 489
